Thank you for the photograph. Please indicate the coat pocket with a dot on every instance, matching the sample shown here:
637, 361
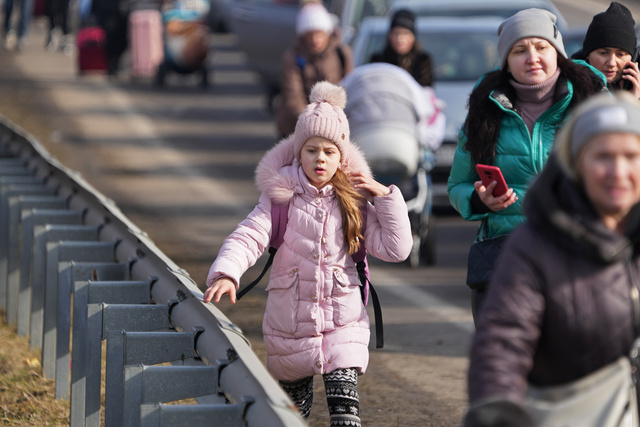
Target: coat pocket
347, 302
282, 302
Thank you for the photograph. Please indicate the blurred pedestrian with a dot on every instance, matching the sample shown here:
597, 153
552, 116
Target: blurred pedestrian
560, 303
403, 49
513, 116
610, 45
317, 54
315, 322
113, 17
10, 36
57, 12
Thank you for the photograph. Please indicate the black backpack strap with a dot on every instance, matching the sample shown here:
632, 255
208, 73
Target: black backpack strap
279, 219
342, 59
377, 309
241, 292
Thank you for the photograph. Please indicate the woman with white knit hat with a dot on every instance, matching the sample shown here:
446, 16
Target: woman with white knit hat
317, 54
513, 116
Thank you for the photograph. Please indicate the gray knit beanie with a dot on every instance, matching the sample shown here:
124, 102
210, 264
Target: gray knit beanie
528, 23
603, 114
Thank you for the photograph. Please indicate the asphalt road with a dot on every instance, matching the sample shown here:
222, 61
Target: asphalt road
179, 162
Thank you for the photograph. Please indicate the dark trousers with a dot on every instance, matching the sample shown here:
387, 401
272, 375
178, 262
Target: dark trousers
477, 299
58, 15
115, 26
26, 10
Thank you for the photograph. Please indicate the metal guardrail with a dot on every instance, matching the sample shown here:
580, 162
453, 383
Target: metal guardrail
68, 256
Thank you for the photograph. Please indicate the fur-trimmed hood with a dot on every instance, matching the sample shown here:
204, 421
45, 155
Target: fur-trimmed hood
272, 178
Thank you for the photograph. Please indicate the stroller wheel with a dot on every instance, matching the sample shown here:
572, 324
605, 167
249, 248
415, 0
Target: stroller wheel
205, 78
160, 75
427, 248
414, 257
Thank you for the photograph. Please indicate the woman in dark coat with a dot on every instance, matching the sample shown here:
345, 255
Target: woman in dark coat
113, 17
317, 54
610, 46
559, 305
404, 50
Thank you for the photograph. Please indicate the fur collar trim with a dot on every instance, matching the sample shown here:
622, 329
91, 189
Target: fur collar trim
271, 179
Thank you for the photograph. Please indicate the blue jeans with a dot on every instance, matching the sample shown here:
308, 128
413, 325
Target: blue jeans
26, 10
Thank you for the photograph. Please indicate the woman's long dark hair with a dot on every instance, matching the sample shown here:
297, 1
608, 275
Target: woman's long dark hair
482, 125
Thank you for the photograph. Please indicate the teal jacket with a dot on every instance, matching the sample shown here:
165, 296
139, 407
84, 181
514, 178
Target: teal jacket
519, 154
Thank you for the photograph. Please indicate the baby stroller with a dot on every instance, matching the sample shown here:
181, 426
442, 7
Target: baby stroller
186, 40
398, 125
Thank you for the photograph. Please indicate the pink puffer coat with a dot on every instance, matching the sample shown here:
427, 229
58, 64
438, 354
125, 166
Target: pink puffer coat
315, 320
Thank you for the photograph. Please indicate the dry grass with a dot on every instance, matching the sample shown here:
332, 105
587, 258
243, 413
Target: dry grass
26, 397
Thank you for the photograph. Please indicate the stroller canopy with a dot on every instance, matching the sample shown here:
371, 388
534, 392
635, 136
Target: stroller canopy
381, 95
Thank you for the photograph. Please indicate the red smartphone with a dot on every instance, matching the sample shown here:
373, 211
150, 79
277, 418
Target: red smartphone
488, 174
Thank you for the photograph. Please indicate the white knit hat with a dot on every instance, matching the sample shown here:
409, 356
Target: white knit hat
324, 117
313, 17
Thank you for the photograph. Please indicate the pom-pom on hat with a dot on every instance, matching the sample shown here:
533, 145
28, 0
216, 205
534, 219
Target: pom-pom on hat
324, 117
528, 23
313, 17
614, 27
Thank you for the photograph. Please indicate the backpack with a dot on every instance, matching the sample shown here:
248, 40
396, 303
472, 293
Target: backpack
279, 219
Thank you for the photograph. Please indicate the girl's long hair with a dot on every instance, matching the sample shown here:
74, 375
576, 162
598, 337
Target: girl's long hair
350, 202
482, 125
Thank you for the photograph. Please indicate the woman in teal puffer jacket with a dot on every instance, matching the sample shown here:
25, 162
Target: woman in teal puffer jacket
514, 113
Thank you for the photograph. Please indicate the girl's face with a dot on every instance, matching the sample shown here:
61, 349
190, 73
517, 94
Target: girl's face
532, 60
320, 159
401, 40
609, 166
610, 61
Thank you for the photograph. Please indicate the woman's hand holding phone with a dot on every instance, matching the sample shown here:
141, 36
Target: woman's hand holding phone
493, 189
630, 80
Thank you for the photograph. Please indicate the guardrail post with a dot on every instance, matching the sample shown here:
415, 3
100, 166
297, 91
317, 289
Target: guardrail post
30, 219
104, 322
57, 252
7, 192
70, 272
16, 206
161, 384
227, 415
45, 278
82, 365
47, 225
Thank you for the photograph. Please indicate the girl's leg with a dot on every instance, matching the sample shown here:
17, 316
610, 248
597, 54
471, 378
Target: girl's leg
341, 387
301, 392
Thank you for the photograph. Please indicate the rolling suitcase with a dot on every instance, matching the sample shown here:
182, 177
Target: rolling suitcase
147, 47
91, 46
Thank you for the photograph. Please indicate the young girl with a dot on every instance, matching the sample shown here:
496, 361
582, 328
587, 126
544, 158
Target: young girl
315, 321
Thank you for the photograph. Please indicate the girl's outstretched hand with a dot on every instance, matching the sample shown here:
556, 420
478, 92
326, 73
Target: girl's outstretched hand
367, 186
220, 287
495, 203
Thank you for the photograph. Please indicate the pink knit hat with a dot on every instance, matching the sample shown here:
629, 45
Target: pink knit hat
324, 117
